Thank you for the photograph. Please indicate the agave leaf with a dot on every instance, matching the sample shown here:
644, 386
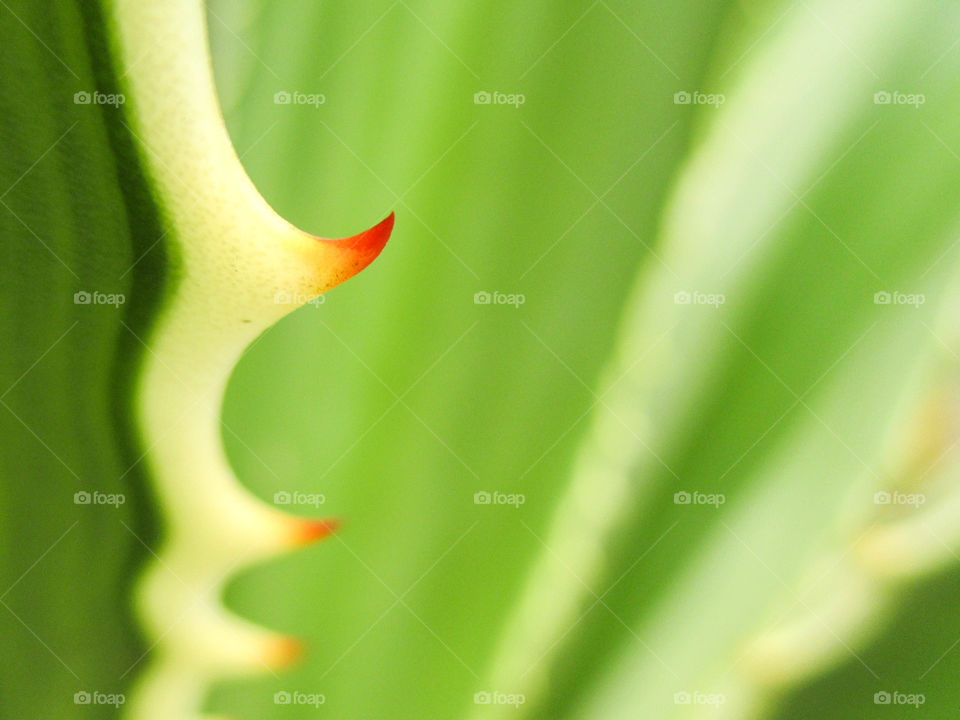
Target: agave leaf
241, 267
537, 157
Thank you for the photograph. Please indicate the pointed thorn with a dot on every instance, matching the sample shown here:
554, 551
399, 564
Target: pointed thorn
284, 652
361, 250
307, 532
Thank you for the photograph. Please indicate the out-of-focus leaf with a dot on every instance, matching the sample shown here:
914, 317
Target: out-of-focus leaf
75, 218
791, 399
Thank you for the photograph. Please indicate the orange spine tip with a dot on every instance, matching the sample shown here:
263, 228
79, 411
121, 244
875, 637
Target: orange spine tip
284, 652
361, 250
310, 531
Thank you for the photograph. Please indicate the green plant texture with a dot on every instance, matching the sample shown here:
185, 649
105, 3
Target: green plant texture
648, 407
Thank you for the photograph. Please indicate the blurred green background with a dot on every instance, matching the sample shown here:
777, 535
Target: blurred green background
717, 420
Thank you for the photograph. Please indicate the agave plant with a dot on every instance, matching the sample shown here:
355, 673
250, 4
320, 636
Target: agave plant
648, 409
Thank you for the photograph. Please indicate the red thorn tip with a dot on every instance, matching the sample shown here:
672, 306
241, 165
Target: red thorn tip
310, 531
367, 245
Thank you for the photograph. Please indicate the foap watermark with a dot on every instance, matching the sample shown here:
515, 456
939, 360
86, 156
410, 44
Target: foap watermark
285, 497
99, 498
83, 297
298, 697
698, 98
699, 498
899, 298
699, 698
95, 697
895, 97
699, 298
287, 298
496, 697
882, 497
284, 97
499, 298
499, 98
98, 98
895, 697
498, 498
